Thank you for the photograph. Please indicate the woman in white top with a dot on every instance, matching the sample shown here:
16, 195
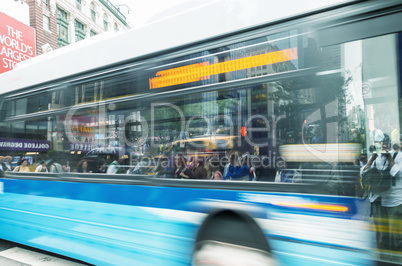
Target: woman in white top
41, 167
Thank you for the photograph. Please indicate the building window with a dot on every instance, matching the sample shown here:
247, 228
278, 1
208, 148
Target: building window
105, 22
93, 12
62, 27
78, 4
62, 15
46, 23
45, 4
93, 33
116, 27
62, 35
79, 31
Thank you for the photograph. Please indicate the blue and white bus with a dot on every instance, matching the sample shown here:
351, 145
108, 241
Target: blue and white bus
278, 105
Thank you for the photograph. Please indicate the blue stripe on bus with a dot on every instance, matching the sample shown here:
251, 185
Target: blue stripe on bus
164, 197
109, 223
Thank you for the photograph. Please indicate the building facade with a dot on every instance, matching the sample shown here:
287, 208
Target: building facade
62, 22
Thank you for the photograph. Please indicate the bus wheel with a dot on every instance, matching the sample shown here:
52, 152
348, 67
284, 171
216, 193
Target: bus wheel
231, 238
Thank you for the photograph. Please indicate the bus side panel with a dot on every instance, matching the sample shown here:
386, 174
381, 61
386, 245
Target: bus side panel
130, 224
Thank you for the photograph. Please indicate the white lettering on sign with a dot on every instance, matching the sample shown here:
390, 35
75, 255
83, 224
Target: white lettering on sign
17, 42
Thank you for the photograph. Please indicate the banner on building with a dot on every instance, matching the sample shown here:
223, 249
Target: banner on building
17, 42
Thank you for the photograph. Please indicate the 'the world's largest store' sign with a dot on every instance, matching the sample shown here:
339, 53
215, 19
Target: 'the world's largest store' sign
17, 42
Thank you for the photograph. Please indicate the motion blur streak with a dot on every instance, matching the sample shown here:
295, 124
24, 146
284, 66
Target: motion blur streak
322, 207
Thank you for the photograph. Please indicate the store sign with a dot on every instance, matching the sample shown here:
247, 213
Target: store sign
82, 147
17, 42
24, 145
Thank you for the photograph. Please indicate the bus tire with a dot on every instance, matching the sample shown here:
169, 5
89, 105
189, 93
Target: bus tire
231, 238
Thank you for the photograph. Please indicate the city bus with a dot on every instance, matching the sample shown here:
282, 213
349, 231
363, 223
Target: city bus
298, 89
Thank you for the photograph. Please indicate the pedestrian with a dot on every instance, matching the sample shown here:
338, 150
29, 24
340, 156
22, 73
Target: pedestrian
238, 170
8, 164
116, 167
213, 167
2, 166
199, 170
41, 167
55, 167
23, 166
386, 207
66, 167
82, 167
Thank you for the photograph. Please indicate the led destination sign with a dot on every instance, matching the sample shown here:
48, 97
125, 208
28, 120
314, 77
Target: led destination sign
202, 71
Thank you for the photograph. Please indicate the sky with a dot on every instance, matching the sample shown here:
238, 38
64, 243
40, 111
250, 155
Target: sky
144, 10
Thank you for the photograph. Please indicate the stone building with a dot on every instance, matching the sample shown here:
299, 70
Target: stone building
62, 22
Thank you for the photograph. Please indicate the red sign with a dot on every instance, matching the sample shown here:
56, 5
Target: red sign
17, 42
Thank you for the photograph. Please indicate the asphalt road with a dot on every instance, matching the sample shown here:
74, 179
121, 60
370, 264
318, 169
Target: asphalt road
12, 254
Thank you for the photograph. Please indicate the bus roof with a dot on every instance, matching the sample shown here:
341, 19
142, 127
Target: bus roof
203, 22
